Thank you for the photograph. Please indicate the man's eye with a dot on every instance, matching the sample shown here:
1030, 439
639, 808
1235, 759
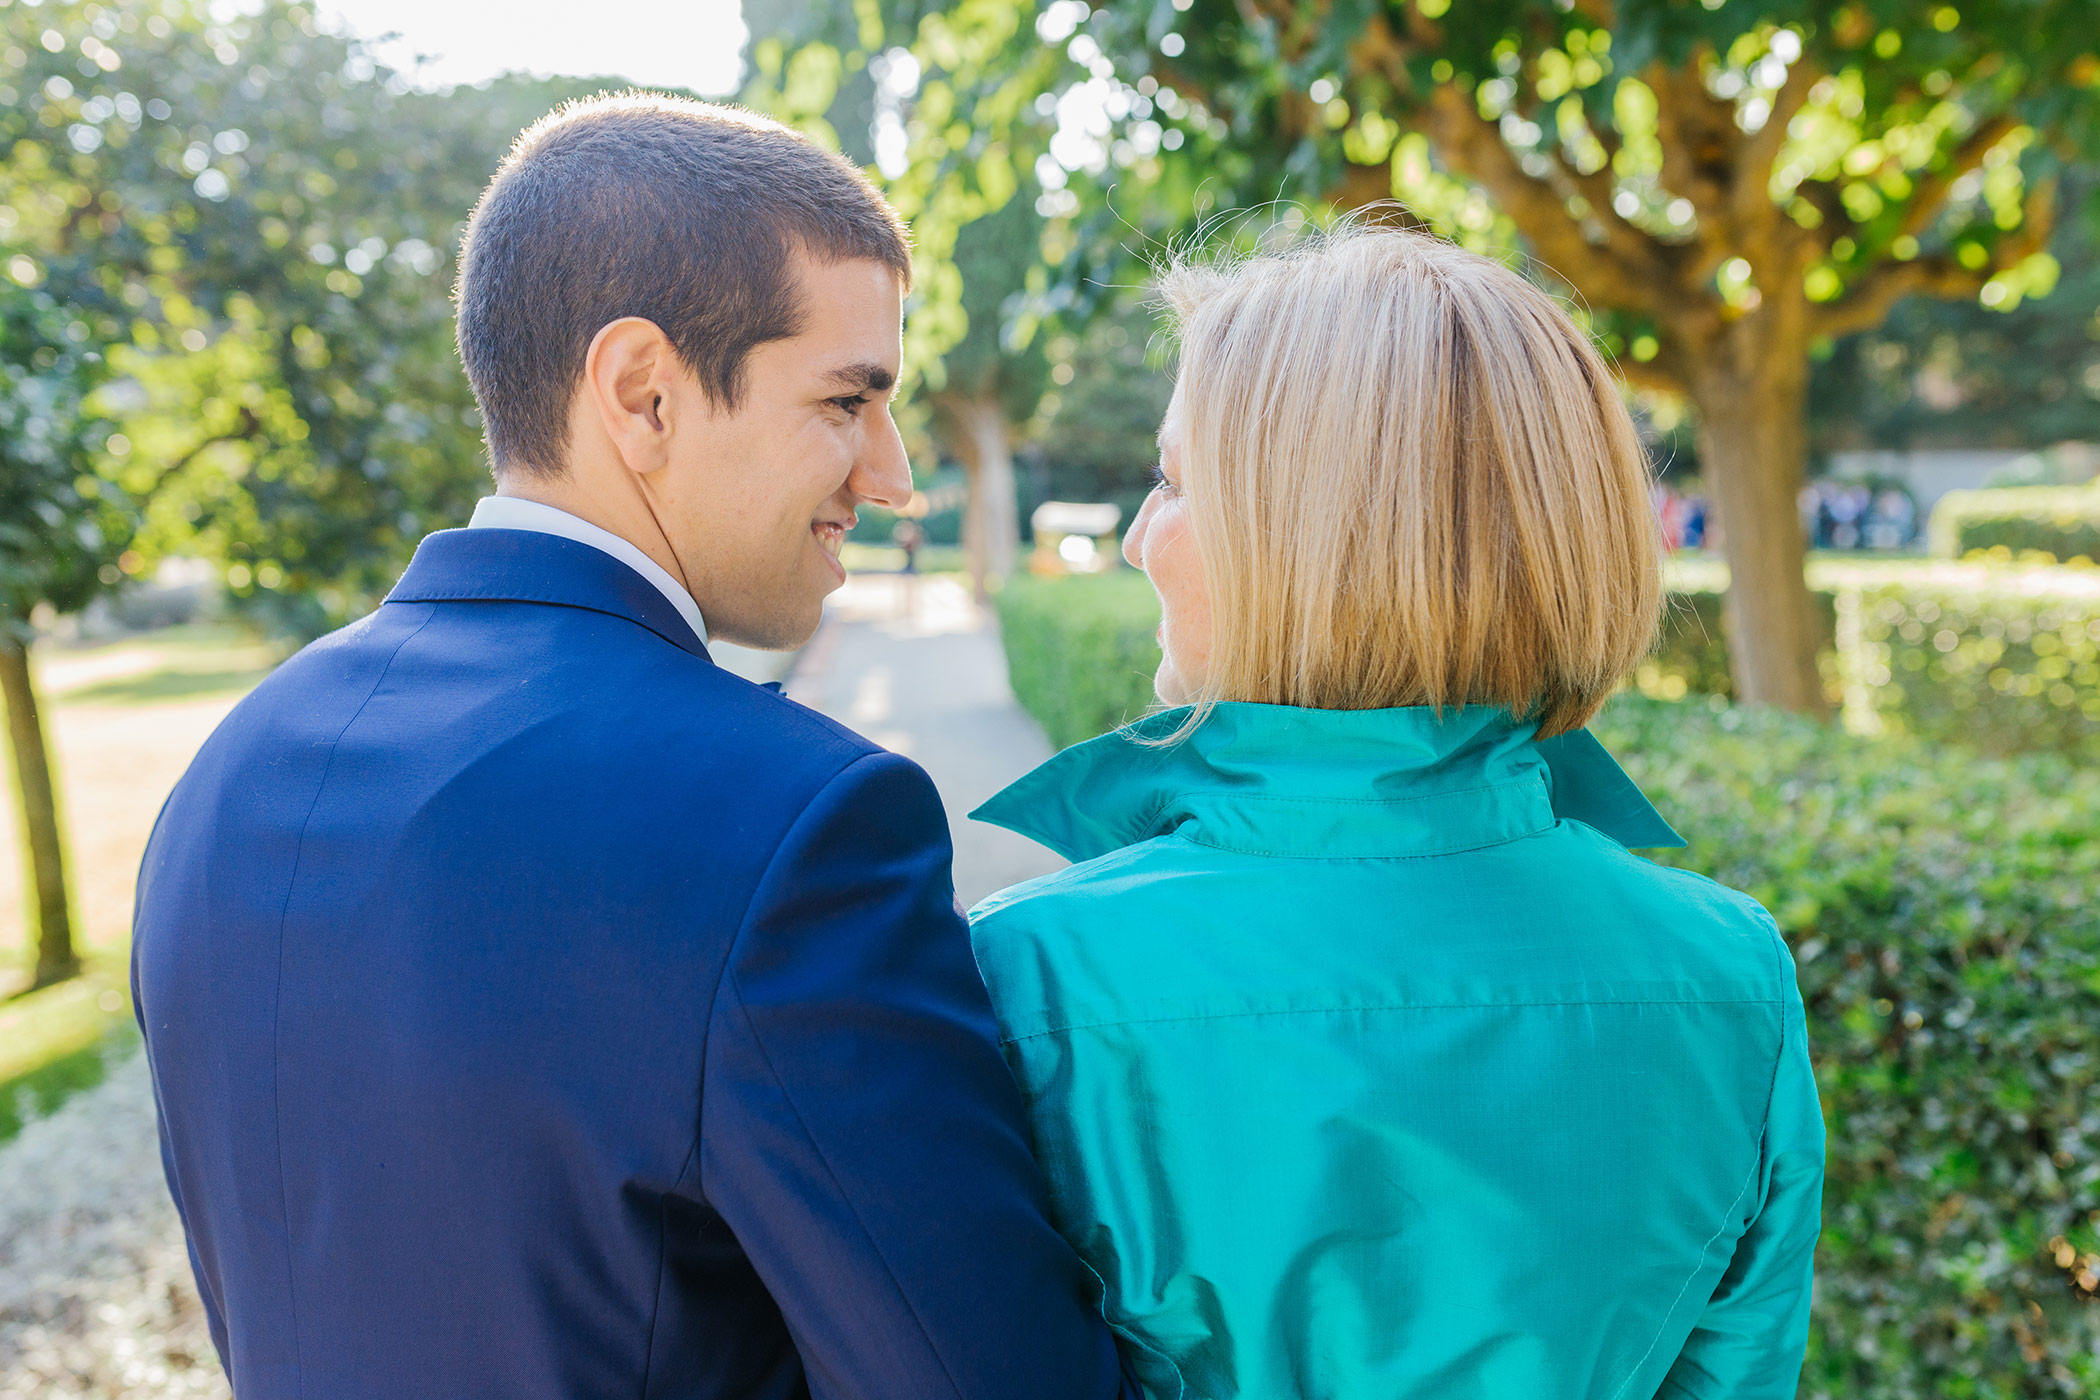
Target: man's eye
849, 404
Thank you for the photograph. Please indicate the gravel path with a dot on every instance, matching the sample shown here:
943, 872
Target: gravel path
96, 1298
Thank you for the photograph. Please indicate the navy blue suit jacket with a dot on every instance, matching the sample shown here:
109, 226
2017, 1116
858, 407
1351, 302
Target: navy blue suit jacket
537, 1010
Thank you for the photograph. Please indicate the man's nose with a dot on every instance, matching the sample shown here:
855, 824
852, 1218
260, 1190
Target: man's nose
1134, 537
882, 473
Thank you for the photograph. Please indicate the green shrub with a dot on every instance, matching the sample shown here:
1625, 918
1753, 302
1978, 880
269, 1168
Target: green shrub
1691, 651
2005, 665
2004, 658
1945, 915
2061, 522
1081, 651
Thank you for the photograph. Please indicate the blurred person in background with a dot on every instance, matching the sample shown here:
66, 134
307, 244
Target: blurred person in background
1893, 522
1366, 1060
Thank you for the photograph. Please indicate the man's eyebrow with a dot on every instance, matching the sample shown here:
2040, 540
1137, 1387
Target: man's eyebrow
864, 378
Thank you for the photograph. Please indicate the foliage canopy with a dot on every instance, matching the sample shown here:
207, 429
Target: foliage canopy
1726, 186
248, 228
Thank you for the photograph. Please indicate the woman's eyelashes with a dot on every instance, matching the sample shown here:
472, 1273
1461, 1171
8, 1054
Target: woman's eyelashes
1160, 482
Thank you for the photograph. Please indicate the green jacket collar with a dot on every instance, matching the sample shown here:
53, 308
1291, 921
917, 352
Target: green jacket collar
1278, 780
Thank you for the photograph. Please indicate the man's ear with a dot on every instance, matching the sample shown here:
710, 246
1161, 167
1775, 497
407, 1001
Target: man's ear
631, 378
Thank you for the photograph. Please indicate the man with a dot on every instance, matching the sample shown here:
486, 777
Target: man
536, 1010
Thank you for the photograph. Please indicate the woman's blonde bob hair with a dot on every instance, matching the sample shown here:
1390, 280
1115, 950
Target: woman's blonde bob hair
1412, 482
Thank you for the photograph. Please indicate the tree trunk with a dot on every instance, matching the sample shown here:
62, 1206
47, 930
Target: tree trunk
1751, 388
976, 433
56, 959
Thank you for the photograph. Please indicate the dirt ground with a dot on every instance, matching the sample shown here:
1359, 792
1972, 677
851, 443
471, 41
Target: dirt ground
123, 722
116, 764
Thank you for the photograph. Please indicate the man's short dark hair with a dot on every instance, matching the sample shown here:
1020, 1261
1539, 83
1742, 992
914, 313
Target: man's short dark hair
636, 204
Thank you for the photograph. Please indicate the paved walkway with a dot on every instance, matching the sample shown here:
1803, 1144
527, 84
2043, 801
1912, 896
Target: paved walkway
915, 664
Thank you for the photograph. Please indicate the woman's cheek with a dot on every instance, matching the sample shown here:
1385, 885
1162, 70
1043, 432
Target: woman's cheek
1177, 573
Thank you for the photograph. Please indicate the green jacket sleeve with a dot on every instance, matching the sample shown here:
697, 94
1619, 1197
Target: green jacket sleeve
1749, 1341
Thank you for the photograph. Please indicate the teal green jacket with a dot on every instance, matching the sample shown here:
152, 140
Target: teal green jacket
1367, 1063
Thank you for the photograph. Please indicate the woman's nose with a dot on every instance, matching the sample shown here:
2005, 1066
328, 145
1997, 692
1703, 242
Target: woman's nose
1134, 537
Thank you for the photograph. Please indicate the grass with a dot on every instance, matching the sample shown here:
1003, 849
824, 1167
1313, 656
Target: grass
166, 685
64, 1053
175, 663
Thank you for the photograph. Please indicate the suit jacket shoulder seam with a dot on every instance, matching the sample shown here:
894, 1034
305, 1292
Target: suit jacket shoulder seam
284, 915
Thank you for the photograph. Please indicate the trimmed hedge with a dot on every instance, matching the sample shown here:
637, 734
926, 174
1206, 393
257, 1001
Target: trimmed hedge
2006, 665
2044, 523
1081, 652
1944, 911
2003, 658
1691, 653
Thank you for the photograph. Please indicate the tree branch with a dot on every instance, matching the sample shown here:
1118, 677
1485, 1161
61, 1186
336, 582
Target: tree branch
1869, 302
1473, 146
247, 428
1699, 142
1377, 50
1651, 374
1757, 154
1872, 297
1186, 86
1929, 195
1634, 245
1695, 147
1370, 187
1824, 196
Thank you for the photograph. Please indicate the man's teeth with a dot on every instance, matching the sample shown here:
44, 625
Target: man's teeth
832, 537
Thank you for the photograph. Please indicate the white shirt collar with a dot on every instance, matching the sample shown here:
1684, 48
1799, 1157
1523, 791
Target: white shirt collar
514, 513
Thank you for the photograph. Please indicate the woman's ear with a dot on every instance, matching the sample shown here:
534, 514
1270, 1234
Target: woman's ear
631, 377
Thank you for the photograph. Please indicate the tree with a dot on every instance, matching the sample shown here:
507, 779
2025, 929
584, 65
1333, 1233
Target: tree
74, 266
1957, 374
989, 384
1099, 439
61, 534
326, 426
1726, 185
982, 300
228, 248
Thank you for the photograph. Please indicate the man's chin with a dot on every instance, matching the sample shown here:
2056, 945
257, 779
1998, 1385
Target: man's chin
784, 631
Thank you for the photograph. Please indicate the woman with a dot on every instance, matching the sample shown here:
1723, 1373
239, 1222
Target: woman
1363, 1057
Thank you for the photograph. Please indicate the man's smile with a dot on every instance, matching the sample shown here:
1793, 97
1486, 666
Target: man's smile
831, 538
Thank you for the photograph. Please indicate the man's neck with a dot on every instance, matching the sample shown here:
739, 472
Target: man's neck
630, 518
